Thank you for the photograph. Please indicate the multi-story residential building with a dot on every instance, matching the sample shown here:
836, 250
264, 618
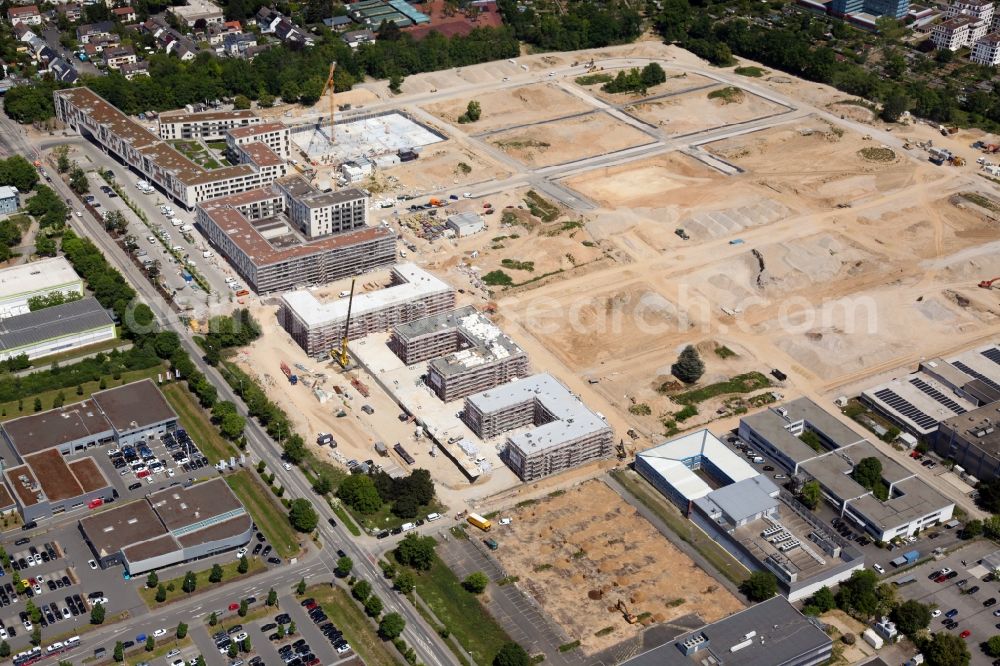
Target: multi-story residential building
117, 57
130, 71
73, 11
238, 45
467, 352
27, 15
188, 183
316, 213
986, 51
953, 33
207, 125
566, 432
253, 231
317, 327
274, 135
966, 22
87, 33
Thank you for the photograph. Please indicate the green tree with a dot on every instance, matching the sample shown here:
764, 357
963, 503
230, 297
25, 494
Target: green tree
33, 612
152, 580
78, 180
759, 586
272, 597
405, 582
241, 102
868, 472
344, 566
215, 575
992, 647
4, 650
302, 515
36, 635
244, 608
281, 631
373, 606
511, 654
810, 494
358, 492
244, 565
894, 107
161, 593
323, 485
972, 529
18, 172
265, 100
689, 367
38, 404
119, 653
291, 628
823, 599
233, 650
245, 645
62, 158
391, 626
182, 630
476, 582
415, 551
45, 246
395, 83
946, 649
150, 643
213, 620
911, 616
190, 582
858, 595
361, 590
300, 588
653, 75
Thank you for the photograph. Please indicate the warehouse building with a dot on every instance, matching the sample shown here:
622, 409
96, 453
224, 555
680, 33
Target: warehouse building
255, 232
466, 224
20, 283
121, 415
47, 484
56, 329
174, 525
317, 327
562, 432
748, 514
207, 126
467, 352
160, 163
912, 505
771, 633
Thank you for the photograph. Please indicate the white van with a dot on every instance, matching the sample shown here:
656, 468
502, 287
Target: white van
176, 221
207, 253
431, 517
406, 527
187, 227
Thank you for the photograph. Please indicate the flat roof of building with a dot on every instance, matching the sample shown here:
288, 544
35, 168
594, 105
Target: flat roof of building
37, 275
8, 191
260, 154
88, 473
126, 524
174, 117
741, 500
571, 418
466, 219
54, 322
225, 213
182, 508
671, 459
416, 283
37, 432
773, 425
136, 405
254, 130
772, 632
58, 481
24, 484
6, 500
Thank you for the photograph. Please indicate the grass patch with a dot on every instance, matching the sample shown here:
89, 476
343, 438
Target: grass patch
687, 412
541, 207
604, 632
641, 409
458, 531
216, 145
755, 72
687, 531
566, 647
761, 399
981, 201
728, 95
515, 265
358, 629
460, 612
593, 79
745, 383
523, 143
258, 613
527, 502
878, 154
384, 519
269, 516
229, 574
724, 352
342, 514
197, 423
508, 580
9, 409
676, 602
498, 279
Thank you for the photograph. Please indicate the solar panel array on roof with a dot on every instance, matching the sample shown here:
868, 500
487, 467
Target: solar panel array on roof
993, 354
978, 375
906, 408
937, 395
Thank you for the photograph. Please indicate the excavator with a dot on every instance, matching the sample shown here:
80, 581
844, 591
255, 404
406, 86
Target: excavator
988, 284
629, 617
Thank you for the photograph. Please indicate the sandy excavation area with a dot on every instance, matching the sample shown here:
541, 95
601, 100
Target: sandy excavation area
512, 106
696, 111
649, 183
581, 552
568, 140
444, 165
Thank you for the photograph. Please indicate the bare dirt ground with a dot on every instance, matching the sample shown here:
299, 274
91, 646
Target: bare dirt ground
581, 552
563, 141
444, 165
696, 111
512, 106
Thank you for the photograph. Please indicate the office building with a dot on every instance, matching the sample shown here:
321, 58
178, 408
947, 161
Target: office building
46, 484
20, 283
317, 327
972, 441
56, 329
562, 432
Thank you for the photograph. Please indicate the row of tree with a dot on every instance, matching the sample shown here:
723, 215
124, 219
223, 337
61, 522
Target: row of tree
367, 493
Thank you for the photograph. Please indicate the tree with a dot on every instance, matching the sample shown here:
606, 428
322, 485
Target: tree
62, 158
391, 626
361, 590
233, 650
45, 246
395, 83
323, 485
302, 515
18, 172
161, 593
472, 113
945, 649
373, 606
415, 551
993, 646
300, 588
245, 645
653, 75
243, 566
33, 612
894, 106
858, 595
265, 100
868, 472
213, 619
972, 529
404, 582
476, 582
152, 580
344, 566
241, 102
272, 597
97, 614
358, 492
4, 650
281, 631
182, 630
38, 404
150, 643
810, 494
759, 586
911, 616
511, 654
119, 653
215, 575
190, 582
244, 608
78, 180
36, 635
291, 628
823, 599
689, 367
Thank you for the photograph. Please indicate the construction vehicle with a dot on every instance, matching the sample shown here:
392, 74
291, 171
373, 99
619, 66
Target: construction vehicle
629, 617
957, 161
479, 521
292, 379
342, 357
683, 234
620, 449
988, 284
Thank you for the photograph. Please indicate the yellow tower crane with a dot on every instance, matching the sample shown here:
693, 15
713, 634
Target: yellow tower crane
341, 356
333, 107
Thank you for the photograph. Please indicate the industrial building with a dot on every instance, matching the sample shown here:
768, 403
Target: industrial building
939, 389
20, 283
912, 505
317, 327
168, 527
47, 484
465, 224
972, 441
747, 513
121, 415
771, 633
467, 352
56, 329
562, 432
160, 163
206, 125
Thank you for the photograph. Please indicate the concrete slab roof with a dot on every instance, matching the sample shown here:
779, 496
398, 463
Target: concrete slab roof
136, 405
37, 432
741, 500
773, 424
672, 459
122, 526
199, 505
36, 276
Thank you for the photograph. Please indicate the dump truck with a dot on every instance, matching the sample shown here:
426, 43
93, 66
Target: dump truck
292, 379
905, 559
479, 521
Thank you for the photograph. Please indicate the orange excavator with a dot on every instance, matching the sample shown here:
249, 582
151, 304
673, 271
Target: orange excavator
988, 284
